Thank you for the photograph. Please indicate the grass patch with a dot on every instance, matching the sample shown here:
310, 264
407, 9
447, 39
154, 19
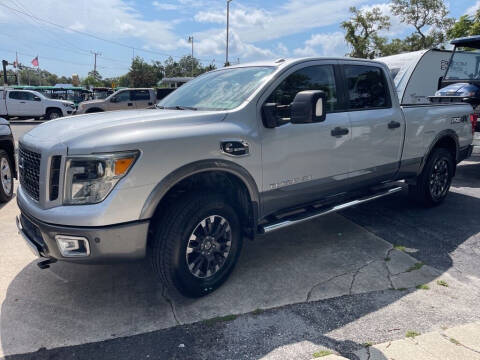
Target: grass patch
402, 289
322, 353
416, 266
442, 283
387, 259
367, 344
454, 341
411, 334
423, 287
218, 319
257, 311
399, 247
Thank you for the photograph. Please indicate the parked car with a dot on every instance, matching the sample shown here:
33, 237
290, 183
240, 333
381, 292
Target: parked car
120, 100
28, 103
236, 152
8, 169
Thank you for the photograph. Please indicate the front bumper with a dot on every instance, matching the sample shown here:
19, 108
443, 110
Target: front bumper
122, 242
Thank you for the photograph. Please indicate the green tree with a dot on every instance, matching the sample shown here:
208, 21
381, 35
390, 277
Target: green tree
428, 17
361, 31
465, 26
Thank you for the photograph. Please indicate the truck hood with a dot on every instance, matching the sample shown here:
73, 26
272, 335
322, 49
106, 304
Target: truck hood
117, 128
459, 89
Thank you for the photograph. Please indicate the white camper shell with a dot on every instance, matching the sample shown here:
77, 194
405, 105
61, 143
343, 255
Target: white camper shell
417, 75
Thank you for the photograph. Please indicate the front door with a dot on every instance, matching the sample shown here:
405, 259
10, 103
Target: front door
303, 162
122, 100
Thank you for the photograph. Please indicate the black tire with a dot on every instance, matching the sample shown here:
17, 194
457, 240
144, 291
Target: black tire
6, 183
53, 114
433, 183
173, 234
94, 110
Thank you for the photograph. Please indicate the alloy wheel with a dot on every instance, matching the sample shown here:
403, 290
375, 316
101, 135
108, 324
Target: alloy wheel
6, 176
209, 246
439, 179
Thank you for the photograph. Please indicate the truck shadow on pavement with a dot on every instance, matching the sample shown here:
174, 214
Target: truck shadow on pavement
328, 275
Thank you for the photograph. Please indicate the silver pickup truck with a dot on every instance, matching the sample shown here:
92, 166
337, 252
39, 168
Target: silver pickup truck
236, 152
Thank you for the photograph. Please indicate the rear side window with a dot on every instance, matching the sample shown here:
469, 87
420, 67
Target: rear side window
141, 95
367, 87
17, 95
319, 77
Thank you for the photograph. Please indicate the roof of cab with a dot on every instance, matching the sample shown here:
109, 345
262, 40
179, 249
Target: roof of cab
291, 61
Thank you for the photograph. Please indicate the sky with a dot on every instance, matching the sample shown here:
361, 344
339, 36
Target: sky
55, 30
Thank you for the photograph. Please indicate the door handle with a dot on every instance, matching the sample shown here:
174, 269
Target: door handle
22, 102
130, 104
338, 131
393, 124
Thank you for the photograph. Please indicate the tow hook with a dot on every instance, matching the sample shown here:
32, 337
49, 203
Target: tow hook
45, 264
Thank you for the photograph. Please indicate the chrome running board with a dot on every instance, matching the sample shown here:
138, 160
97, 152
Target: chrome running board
309, 215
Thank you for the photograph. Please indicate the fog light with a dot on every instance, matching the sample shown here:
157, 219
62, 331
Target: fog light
72, 246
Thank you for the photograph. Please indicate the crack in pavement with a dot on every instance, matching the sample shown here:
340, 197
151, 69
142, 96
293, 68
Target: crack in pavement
357, 272
309, 294
172, 305
458, 343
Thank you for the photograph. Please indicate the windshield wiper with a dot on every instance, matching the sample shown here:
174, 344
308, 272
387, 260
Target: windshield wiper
177, 107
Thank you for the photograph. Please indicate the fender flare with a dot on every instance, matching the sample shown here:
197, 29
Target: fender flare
169, 181
441, 135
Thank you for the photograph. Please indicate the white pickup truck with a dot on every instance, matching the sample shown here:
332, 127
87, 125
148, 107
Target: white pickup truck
28, 103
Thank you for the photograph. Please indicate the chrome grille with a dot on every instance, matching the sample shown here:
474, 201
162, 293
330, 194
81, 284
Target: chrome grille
29, 166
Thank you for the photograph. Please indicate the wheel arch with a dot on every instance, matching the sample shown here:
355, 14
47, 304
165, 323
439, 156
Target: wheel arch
50, 108
205, 169
7, 145
446, 139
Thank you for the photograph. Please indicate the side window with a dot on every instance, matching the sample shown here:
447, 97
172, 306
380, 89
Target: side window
28, 96
16, 95
141, 95
123, 96
320, 77
367, 87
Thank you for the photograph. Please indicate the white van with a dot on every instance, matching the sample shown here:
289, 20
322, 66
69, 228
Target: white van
417, 75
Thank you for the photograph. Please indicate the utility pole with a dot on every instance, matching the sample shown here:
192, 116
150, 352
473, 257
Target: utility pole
190, 40
95, 54
5, 79
228, 23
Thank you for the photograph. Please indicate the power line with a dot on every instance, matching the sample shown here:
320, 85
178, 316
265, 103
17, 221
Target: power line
85, 33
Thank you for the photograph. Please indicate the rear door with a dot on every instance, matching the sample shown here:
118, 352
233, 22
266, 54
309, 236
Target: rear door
3, 107
377, 123
15, 103
142, 98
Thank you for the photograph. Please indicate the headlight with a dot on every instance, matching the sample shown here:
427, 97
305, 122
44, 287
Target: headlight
89, 179
72, 105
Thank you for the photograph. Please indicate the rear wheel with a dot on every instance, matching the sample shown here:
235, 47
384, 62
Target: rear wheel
196, 244
434, 182
6, 177
53, 114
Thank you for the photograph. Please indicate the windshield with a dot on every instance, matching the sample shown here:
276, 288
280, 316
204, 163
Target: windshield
218, 90
464, 65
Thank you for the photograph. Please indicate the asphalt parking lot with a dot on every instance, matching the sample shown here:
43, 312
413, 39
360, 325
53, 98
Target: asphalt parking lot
337, 282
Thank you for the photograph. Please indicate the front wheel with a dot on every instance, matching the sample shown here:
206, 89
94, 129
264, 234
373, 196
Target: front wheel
434, 182
53, 114
196, 244
6, 177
